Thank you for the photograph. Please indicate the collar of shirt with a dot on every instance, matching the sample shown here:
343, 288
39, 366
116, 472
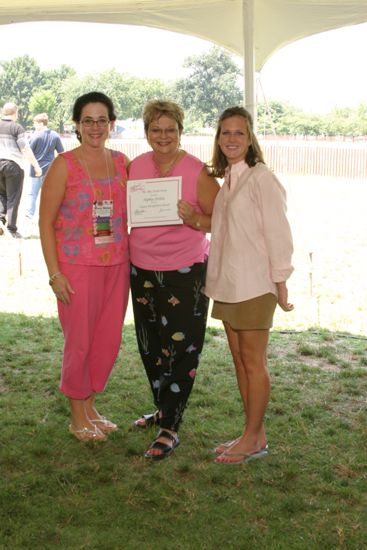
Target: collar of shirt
233, 173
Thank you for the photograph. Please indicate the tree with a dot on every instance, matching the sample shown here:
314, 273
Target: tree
52, 79
109, 82
280, 118
211, 85
19, 79
306, 124
53, 82
138, 91
361, 115
347, 121
128, 93
271, 117
43, 101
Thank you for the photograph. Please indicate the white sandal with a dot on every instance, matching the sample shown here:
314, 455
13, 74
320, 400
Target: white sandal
85, 434
104, 425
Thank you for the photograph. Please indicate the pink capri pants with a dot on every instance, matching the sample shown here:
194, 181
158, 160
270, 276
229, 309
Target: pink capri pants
92, 326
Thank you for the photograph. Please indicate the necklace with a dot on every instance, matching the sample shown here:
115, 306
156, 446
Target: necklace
89, 176
102, 208
169, 166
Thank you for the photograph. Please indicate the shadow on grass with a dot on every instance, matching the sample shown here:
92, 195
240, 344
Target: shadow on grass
310, 493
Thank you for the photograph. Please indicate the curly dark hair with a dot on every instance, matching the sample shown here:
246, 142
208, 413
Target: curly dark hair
92, 97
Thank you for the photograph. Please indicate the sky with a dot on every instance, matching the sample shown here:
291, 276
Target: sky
316, 74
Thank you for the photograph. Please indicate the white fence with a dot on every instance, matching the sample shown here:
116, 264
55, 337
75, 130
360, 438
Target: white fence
291, 157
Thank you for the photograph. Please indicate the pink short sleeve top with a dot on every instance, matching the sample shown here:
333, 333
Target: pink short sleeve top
170, 247
74, 224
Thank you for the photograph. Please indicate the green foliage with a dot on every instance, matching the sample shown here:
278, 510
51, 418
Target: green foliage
211, 85
137, 91
282, 119
347, 121
272, 117
108, 82
43, 101
19, 79
53, 81
127, 93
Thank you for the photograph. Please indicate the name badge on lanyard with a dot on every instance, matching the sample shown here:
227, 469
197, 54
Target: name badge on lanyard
102, 222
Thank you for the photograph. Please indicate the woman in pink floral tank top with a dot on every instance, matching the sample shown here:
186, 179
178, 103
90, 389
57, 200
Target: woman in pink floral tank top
83, 229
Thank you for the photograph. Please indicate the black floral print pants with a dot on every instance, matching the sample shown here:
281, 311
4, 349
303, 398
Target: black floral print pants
170, 312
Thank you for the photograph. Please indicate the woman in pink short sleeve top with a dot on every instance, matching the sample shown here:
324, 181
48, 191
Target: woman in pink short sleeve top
168, 265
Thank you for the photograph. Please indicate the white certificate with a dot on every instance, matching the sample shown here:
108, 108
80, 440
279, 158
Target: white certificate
153, 202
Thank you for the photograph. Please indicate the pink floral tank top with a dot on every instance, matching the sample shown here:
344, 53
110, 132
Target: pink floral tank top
74, 223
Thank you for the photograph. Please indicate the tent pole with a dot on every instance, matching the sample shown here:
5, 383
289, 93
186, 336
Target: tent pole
249, 99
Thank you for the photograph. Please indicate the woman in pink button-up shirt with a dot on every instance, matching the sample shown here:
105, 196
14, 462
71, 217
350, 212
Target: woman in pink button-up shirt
249, 263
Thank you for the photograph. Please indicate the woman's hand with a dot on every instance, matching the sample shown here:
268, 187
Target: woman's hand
187, 213
62, 289
283, 297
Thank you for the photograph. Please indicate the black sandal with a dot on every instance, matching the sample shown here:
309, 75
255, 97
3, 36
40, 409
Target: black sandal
147, 420
166, 449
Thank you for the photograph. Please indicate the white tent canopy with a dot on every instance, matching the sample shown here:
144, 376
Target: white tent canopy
253, 29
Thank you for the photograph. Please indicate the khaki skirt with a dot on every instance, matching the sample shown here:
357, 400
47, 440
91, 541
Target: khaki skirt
254, 314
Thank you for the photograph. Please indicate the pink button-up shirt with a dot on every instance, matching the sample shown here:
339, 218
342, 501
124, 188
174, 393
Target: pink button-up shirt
251, 242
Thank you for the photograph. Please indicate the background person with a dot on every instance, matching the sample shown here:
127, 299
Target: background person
83, 229
45, 143
168, 274
249, 263
14, 150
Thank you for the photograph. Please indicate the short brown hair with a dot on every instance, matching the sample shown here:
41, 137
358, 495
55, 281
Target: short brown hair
156, 108
9, 108
41, 117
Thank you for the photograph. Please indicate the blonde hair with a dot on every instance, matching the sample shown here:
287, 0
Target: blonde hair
156, 108
254, 154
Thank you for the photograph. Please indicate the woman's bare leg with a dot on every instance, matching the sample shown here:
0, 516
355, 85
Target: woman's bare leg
90, 410
98, 420
234, 346
241, 375
81, 425
256, 388
79, 417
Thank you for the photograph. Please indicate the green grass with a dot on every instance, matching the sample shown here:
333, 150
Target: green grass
309, 494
